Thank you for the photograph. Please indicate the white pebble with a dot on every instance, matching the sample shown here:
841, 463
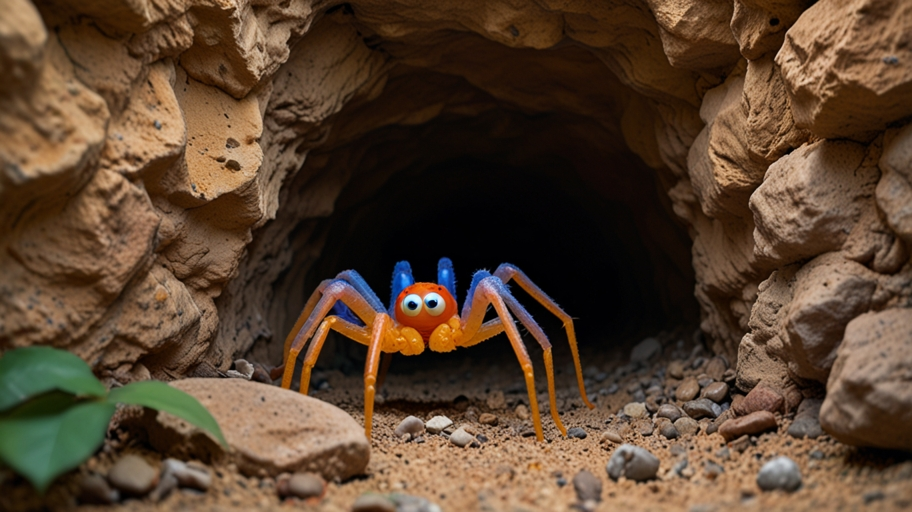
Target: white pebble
436, 424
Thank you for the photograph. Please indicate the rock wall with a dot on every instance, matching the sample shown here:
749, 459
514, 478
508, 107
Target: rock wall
165, 166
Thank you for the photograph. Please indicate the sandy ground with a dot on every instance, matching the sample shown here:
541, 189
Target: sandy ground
512, 472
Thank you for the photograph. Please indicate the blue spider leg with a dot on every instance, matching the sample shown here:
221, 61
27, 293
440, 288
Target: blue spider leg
402, 279
476, 278
353, 278
446, 277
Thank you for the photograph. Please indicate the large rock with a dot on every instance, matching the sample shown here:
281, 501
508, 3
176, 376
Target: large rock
894, 192
696, 34
869, 392
270, 430
846, 66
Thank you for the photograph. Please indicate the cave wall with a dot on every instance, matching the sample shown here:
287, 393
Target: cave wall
166, 167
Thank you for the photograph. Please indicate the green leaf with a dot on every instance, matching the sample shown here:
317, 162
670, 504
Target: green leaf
31, 371
162, 397
51, 434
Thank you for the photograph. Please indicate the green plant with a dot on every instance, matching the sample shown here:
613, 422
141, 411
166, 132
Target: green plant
54, 413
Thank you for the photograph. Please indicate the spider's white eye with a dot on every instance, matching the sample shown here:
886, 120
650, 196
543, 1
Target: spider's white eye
434, 303
411, 305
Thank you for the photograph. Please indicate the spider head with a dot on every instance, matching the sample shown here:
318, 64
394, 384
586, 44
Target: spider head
424, 306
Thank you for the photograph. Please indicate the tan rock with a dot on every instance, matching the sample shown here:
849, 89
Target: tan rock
847, 73
869, 396
759, 26
696, 35
753, 423
270, 430
894, 191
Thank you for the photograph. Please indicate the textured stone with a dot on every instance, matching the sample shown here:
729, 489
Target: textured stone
687, 390
717, 392
699, 408
270, 430
753, 423
759, 26
696, 35
588, 487
780, 473
847, 74
410, 425
131, 474
686, 426
869, 391
761, 398
894, 191
632, 462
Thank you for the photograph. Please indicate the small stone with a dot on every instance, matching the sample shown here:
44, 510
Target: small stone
699, 408
636, 410
94, 490
411, 425
669, 431
577, 433
645, 349
633, 463
670, 411
612, 389
133, 475
522, 412
676, 369
461, 438
167, 482
496, 400
487, 418
243, 367
687, 390
679, 466
652, 405
741, 444
157, 124
717, 391
372, 502
779, 473
409, 503
302, 485
687, 426
613, 436
872, 496
588, 486
761, 398
716, 367
704, 380
644, 426
190, 475
481, 438
712, 470
436, 424
753, 423
805, 427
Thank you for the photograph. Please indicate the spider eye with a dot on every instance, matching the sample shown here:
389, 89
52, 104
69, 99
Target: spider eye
411, 305
434, 303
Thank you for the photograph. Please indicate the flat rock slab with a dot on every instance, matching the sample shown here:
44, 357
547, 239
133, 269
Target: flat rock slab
270, 430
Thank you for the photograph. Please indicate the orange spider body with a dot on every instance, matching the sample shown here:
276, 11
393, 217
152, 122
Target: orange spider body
425, 316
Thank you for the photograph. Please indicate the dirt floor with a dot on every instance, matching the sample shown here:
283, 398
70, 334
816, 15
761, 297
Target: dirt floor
514, 472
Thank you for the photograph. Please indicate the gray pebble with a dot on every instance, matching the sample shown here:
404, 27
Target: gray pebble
412, 426
779, 473
717, 391
192, 475
588, 486
613, 436
805, 427
461, 438
373, 502
670, 411
679, 466
712, 470
437, 424
409, 503
303, 485
632, 462
700, 408
687, 390
133, 475
93, 489
244, 367
577, 432
704, 380
645, 349
636, 410
687, 426
601, 376
669, 431
612, 389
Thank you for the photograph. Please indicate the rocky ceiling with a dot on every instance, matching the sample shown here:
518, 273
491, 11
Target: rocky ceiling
176, 176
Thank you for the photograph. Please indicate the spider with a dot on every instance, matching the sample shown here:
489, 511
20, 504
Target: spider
424, 315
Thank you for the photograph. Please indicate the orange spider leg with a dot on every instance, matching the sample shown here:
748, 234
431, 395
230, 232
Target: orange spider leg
305, 313
337, 324
486, 294
506, 272
486, 331
336, 290
381, 325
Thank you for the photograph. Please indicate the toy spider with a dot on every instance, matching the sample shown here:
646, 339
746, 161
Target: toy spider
424, 315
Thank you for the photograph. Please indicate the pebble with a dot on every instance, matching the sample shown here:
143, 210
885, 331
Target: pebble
487, 418
461, 438
244, 367
588, 486
686, 426
669, 431
412, 426
577, 432
636, 410
94, 490
670, 411
679, 466
633, 463
522, 412
687, 390
302, 485
704, 380
717, 391
676, 369
712, 470
753, 423
496, 400
716, 368
436, 424
761, 398
700, 408
133, 475
373, 502
741, 444
409, 503
612, 389
807, 419
779, 473
645, 349
644, 426
613, 436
